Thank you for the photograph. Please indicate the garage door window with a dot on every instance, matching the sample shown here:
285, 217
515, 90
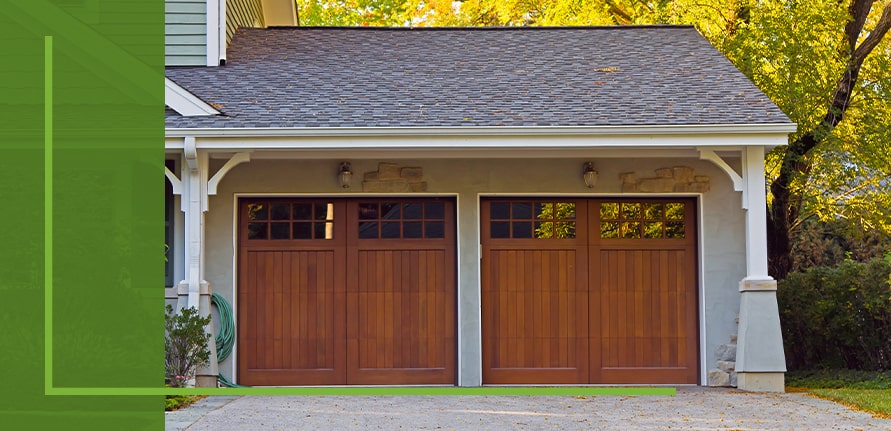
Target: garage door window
284, 221
532, 219
401, 220
636, 220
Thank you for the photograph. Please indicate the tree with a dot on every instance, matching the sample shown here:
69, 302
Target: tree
824, 62
797, 160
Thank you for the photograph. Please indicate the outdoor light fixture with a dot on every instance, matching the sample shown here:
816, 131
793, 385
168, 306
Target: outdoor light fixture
589, 175
345, 175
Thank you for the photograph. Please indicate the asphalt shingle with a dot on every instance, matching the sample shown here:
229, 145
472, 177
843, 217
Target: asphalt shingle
381, 77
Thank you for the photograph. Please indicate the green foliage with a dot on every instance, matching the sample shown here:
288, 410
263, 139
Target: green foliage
838, 317
185, 344
842, 378
176, 402
826, 243
353, 12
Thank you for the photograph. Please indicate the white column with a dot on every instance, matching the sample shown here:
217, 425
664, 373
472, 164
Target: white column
760, 360
197, 290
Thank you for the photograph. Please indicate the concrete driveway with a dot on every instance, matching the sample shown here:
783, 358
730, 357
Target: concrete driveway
693, 408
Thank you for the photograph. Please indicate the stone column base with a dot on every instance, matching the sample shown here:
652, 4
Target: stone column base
205, 381
761, 382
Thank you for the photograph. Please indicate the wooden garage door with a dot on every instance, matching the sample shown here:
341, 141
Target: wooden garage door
346, 292
589, 291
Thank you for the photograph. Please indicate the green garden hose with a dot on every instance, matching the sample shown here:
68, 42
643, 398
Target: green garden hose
225, 338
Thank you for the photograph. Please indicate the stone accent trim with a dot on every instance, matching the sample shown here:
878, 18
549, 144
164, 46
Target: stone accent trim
758, 285
677, 179
392, 178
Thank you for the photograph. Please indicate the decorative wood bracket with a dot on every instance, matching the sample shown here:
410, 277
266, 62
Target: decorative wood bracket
235, 160
737, 179
175, 182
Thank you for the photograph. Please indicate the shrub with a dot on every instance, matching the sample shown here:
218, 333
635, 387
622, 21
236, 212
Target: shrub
838, 317
185, 345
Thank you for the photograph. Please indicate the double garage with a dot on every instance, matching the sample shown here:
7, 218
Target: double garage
363, 291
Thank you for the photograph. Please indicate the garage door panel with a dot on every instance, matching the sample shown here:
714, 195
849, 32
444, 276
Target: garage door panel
289, 325
645, 322
533, 333
404, 332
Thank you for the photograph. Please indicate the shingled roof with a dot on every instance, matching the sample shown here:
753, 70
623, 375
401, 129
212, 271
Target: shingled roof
382, 77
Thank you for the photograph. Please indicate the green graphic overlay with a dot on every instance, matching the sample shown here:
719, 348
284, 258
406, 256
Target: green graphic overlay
81, 154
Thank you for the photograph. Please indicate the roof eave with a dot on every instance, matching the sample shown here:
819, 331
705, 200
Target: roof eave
316, 132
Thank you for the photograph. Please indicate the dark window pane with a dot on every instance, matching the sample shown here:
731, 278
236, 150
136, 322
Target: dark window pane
652, 211
522, 229
324, 212
280, 230
302, 211
257, 231
609, 211
368, 229
499, 229
434, 229
390, 211
257, 212
368, 212
544, 229
323, 230
412, 229
390, 230
412, 211
280, 211
653, 229
500, 210
631, 211
434, 210
674, 229
521, 210
609, 229
631, 230
302, 230
564, 229
674, 211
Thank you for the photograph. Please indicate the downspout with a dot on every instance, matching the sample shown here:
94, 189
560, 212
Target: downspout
221, 25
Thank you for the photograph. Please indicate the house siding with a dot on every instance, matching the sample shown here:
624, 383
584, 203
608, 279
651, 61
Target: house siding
242, 13
185, 32
721, 226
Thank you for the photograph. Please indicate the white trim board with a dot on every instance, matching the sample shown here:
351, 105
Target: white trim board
185, 103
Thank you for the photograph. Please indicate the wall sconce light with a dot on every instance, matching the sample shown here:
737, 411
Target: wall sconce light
589, 175
345, 175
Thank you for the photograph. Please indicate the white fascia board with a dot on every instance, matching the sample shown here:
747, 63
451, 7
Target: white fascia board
780, 128
185, 103
456, 142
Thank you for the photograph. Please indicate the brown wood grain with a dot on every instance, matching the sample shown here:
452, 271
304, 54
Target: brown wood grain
589, 310
346, 310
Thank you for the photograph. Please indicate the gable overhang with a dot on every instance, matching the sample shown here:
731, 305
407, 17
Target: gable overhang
184, 102
492, 141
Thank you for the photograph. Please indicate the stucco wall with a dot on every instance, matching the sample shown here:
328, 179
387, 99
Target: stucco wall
722, 225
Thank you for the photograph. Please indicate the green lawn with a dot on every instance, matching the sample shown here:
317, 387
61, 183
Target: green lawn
869, 391
875, 401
